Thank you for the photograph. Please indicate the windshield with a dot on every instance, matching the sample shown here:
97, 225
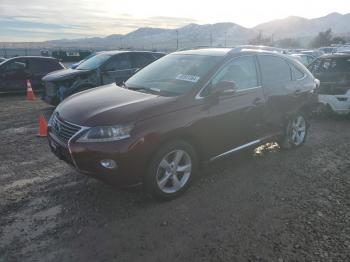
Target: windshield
93, 62
173, 74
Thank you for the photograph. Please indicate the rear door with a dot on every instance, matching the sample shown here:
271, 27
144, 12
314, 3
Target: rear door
276, 76
39, 68
118, 69
13, 75
236, 119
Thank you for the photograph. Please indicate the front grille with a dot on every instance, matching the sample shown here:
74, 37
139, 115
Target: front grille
50, 89
63, 130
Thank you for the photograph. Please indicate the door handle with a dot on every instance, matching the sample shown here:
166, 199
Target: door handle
258, 101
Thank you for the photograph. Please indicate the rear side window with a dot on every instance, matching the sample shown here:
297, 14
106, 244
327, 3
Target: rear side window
297, 73
16, 65
275, 72
142, 59
43, 66
241, 71
316, 66
119, 62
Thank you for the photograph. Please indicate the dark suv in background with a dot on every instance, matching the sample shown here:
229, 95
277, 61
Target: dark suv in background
15, 71
185, 108
100, 69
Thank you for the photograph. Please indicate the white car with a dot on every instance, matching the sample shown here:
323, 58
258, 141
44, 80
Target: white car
333, 71
337, 103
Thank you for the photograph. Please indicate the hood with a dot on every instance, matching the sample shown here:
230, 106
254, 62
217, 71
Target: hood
64, 74
112, 105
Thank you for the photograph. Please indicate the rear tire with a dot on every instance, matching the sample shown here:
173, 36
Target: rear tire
295, 132
171, 171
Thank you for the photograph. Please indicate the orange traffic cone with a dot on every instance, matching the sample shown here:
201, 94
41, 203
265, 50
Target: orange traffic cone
30, 93
42, 126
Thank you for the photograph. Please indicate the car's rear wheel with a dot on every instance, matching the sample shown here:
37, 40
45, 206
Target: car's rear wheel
295, 132
171, 170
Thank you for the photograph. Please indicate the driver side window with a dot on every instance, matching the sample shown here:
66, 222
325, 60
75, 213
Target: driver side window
16, 65
241, 71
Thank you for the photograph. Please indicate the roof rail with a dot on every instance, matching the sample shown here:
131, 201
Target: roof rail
257, 47
201, 47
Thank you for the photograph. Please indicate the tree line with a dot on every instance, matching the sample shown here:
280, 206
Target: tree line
325, 38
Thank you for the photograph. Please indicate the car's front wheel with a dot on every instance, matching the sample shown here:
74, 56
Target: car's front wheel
295, 132
171, 170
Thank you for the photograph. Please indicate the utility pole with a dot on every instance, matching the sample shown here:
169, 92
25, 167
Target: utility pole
211, 39
225, 38
177, 40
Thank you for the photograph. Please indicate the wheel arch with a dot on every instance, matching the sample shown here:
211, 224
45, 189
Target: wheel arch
184, 137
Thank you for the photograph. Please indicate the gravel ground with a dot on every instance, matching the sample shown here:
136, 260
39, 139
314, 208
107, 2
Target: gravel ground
272, 205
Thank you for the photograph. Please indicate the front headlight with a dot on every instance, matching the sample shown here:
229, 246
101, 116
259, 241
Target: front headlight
106, 133
49, 123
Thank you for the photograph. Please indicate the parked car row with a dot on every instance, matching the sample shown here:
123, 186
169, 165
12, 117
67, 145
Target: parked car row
100, 69
184, 109
15, 71
56, 82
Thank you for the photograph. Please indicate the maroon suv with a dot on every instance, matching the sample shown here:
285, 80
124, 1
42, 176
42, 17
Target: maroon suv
185, 108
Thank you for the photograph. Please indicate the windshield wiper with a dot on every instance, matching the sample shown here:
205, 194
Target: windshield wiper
144, 89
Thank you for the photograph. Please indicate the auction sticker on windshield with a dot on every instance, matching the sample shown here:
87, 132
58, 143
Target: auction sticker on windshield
189, 78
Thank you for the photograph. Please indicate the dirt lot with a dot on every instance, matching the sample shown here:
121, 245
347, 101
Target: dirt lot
269, 206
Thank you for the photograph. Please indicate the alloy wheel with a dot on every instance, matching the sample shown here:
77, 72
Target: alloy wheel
174, 171
298, 130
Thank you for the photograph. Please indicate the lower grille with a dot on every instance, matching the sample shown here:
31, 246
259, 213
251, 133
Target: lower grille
63, 130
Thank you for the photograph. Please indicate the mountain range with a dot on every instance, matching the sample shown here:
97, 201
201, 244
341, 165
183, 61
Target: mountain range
219, 34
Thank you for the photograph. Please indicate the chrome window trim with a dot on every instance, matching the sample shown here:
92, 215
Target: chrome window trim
121, 70
198, 95
255, 142
296, 68
248, 89
300, 79
238, 148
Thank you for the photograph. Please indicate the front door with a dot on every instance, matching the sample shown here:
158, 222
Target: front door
235, 118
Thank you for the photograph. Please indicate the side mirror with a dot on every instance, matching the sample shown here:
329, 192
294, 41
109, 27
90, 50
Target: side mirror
223, 88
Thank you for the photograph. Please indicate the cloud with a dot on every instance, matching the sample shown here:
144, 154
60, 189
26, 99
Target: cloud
64, 18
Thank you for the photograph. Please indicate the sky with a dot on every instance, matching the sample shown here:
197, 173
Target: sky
39, 20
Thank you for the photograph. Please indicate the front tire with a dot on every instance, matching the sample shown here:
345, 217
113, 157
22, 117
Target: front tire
295, 132
171, 171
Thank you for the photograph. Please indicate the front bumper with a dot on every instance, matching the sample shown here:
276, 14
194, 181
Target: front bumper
86, 158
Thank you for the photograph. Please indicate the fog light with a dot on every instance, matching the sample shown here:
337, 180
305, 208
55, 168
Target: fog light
108, 163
